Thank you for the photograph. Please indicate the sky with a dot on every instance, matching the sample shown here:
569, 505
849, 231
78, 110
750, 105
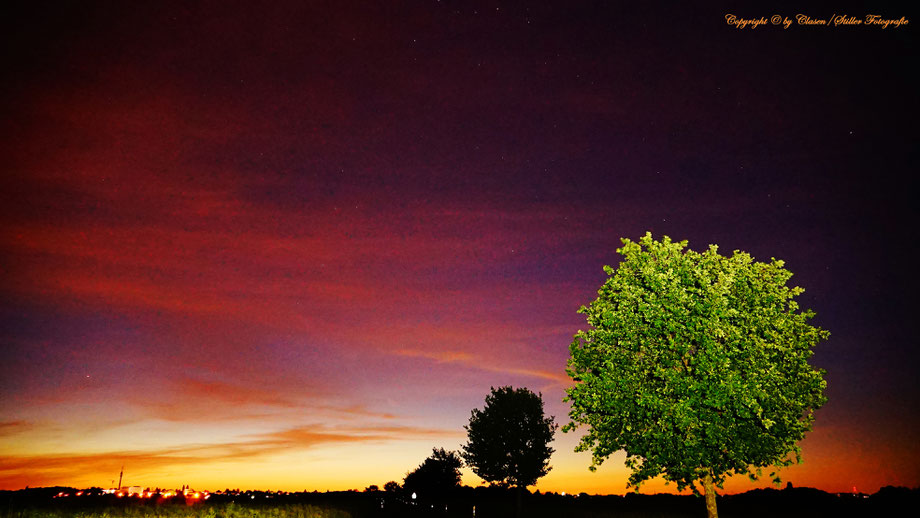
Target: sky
292, 245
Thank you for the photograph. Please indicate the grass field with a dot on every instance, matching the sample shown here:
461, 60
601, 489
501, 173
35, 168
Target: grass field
227, 510
465, 503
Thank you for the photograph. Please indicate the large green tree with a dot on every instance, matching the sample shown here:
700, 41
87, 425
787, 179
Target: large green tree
695, 364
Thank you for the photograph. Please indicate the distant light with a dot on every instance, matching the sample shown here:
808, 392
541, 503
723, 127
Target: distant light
413, 496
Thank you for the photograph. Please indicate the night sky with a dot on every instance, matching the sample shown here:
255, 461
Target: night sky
292, 246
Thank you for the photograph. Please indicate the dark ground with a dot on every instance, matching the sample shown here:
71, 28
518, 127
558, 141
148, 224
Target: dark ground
490, 502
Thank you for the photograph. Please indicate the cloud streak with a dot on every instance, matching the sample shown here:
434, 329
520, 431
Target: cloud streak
469, 360
15, 470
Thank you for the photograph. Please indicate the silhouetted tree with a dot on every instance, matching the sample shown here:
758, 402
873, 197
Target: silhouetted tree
508, 440
392, 486
436, 477
696, 365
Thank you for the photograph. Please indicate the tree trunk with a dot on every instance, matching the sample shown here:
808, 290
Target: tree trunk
710, 489
518, 506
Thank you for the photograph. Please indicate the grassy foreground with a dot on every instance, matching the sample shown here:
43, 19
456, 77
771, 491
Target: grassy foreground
465, 502
220, 510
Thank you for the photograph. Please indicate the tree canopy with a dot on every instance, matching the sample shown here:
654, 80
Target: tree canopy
436, 477
695, 364
508, 440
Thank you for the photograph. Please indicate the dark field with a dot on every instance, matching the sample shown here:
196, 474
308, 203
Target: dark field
488, 502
